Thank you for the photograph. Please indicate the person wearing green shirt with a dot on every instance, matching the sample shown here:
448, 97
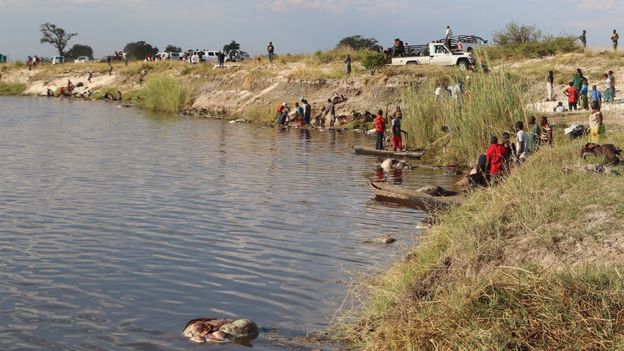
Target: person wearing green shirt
534, 134
577, 80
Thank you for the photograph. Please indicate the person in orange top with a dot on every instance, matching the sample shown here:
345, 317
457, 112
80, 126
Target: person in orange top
495, 159
380, 126
572, 93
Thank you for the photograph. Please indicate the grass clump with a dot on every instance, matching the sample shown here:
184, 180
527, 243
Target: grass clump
526, 265
165, 94
12, 89
458, 130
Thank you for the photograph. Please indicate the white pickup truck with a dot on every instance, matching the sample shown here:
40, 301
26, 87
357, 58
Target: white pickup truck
431, 54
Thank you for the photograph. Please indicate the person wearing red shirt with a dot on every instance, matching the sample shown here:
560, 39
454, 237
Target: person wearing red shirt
572, 93
380, 126
495, 155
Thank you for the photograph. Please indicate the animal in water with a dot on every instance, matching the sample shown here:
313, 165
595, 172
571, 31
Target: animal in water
610, 152
201, 330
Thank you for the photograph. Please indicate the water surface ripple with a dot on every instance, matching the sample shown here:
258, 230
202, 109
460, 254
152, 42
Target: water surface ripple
117, 226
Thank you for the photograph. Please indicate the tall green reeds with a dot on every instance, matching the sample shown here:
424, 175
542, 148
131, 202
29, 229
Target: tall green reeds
458, 129
164, 93
7, 89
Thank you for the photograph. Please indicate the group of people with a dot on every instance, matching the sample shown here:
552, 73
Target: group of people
397, 132
32, 61
500, 156
615, 37
578, 94
302, 112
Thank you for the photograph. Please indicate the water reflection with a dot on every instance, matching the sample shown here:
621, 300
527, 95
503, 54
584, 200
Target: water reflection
117, 227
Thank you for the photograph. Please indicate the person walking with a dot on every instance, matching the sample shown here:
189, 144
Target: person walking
347, 64
612, 79
583, 39
447, 37
550, 81
596, 127
380, 126
614, 39
271, 51
89, 75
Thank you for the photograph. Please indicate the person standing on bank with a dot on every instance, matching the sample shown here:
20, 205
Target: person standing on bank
347, 64
270, 51
614, 39
550, 81
583, 39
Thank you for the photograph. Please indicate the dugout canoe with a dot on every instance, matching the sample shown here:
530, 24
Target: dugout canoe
394, 193
363, 150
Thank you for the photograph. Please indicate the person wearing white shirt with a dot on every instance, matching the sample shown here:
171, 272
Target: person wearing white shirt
447, 37
522, 144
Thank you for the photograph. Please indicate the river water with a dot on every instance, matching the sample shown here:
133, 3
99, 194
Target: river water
118, 226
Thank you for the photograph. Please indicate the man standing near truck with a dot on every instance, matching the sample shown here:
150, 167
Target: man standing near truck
447, 38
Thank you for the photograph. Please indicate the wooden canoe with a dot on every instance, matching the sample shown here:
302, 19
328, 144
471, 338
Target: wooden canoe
414, 198
363, 150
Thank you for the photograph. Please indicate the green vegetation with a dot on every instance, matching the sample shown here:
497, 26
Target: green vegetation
11, 89
526, 265
165, 94
372, 60
518, 41
493, 104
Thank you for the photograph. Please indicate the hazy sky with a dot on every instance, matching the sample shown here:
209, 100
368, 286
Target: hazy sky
294, 26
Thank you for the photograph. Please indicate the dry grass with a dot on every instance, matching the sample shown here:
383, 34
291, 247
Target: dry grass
531, 264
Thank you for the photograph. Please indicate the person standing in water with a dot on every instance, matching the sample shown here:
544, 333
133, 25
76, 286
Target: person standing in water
380, 125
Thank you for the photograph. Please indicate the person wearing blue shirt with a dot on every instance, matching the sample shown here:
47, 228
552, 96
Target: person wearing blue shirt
583, 93
596, 95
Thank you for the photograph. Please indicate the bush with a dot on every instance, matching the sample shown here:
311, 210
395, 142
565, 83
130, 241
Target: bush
547, 46
372, 60
11, 89
164, 93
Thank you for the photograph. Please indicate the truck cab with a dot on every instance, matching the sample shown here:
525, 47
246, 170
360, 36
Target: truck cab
433, 54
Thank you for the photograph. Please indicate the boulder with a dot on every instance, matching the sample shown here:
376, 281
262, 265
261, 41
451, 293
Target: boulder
241, 328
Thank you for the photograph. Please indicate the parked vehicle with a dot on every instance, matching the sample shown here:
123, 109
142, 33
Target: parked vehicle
236, 55
210, 56
82, 59
468, 42
176, 56
58, 60
433, 54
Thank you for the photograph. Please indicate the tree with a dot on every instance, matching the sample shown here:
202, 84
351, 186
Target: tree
173, 48
56, 36
139, 50
357, 42
373, 60
515, 33
231, 46
80, 50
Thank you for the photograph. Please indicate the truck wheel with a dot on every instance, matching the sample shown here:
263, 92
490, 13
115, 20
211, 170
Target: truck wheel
411, 63
463, 64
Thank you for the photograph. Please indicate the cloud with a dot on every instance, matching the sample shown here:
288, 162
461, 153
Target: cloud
599, 5
370, 7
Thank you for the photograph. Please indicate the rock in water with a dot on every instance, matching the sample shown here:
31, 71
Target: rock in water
241, 328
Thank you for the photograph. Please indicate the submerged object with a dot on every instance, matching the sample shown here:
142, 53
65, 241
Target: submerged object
201, 330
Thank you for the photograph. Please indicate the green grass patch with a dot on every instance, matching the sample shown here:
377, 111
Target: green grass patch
11, 89
165, 94
525, 265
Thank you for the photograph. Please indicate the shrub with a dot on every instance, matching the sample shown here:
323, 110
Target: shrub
164, 93
372, 60
10, 89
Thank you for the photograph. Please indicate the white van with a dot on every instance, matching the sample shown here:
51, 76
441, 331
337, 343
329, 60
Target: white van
58, 60
210, 56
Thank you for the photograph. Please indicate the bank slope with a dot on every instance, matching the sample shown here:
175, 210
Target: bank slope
534, 263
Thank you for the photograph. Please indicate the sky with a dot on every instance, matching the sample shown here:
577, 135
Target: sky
294, 26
